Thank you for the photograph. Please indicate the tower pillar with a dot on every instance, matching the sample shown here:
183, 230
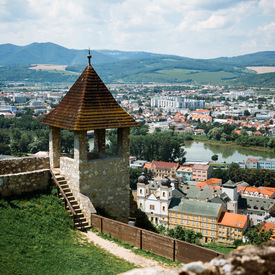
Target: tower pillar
54, 146
80, 147
99, 140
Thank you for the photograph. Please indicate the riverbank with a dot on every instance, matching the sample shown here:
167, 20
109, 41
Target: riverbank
204, 139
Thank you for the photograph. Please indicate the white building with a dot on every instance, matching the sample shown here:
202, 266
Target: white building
176, 104
154, 203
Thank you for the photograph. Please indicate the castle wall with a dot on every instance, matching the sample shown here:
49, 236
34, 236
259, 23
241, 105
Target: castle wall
27, 174
25, 164
69, 169
106, 182
16, 184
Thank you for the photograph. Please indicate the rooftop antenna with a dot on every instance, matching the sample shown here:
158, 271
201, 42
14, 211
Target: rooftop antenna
89, 57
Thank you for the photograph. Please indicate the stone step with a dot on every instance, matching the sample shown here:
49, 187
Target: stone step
83, 228
80, 219
59, 177
81, 224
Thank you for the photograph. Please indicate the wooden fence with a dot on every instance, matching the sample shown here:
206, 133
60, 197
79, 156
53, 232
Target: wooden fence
173, 249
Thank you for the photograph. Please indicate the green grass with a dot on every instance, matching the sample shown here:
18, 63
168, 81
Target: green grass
219, 248
37, 237
144, 253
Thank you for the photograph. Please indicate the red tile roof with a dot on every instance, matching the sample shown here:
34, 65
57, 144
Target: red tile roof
252, 160
269, 225
165, 165
233, 220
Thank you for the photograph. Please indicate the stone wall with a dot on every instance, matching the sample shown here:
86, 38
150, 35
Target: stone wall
106, 182
16, 184
69, 169
25, 164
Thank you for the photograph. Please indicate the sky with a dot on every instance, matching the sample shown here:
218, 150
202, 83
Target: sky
189, 28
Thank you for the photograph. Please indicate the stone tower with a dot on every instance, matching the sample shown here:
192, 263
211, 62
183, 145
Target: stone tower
94, 177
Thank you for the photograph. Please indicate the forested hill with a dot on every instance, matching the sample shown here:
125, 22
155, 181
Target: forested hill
254, 59
50, 53
130, 67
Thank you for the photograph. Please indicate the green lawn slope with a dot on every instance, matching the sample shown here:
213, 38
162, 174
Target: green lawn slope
37, 237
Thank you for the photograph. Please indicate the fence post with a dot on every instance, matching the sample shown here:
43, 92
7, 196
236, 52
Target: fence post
174, 250
140, 239
101, 224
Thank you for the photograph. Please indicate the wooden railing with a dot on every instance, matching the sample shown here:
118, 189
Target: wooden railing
66, 200
164, 246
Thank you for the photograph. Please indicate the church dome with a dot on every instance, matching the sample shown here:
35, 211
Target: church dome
142, 178
166, 181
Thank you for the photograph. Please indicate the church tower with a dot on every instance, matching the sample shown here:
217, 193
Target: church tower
94, 177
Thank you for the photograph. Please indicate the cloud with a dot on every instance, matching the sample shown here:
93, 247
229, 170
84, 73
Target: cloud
191, 28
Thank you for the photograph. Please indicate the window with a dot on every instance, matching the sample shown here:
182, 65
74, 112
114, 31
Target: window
213, 219
213, 226
187, 216
170, 219
193, 217
163, 194
193, 223
206, 232
176, 214
206, 219
202, 224
181, 221
181, 215
176, 220
202, 231
202, 218
206, 225
163, 208
152, 207
140, 205
140, 191
213, 233
187, 222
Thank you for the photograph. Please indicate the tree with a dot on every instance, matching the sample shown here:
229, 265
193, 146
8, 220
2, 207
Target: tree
184, 234
256, 235
215, 157
246, 113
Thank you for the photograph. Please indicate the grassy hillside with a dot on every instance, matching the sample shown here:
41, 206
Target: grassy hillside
37, 238
165, 69
130, 67
255, 80
254, 59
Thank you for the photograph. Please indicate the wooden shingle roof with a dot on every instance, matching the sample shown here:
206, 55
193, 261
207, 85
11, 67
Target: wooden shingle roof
88, 105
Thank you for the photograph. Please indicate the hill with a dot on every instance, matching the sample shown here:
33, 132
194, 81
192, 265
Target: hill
50, 53
128, 67
254, 59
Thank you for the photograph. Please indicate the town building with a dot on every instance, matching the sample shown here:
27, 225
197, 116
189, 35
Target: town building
162, 168
199, 216
154, 200
251, 163
231, 227
201, 172
176, 104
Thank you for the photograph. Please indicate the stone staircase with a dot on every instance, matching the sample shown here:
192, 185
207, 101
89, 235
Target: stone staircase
71, 204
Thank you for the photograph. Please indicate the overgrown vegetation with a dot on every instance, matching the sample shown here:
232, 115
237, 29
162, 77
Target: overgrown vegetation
37, 238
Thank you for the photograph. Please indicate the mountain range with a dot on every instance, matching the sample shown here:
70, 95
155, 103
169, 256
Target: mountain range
126, 67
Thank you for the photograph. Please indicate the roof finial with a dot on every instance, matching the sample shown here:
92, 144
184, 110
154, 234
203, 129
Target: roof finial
89, 57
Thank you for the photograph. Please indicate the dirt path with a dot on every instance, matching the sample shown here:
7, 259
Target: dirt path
128, 255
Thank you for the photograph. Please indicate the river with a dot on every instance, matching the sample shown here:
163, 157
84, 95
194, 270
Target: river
196, 151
